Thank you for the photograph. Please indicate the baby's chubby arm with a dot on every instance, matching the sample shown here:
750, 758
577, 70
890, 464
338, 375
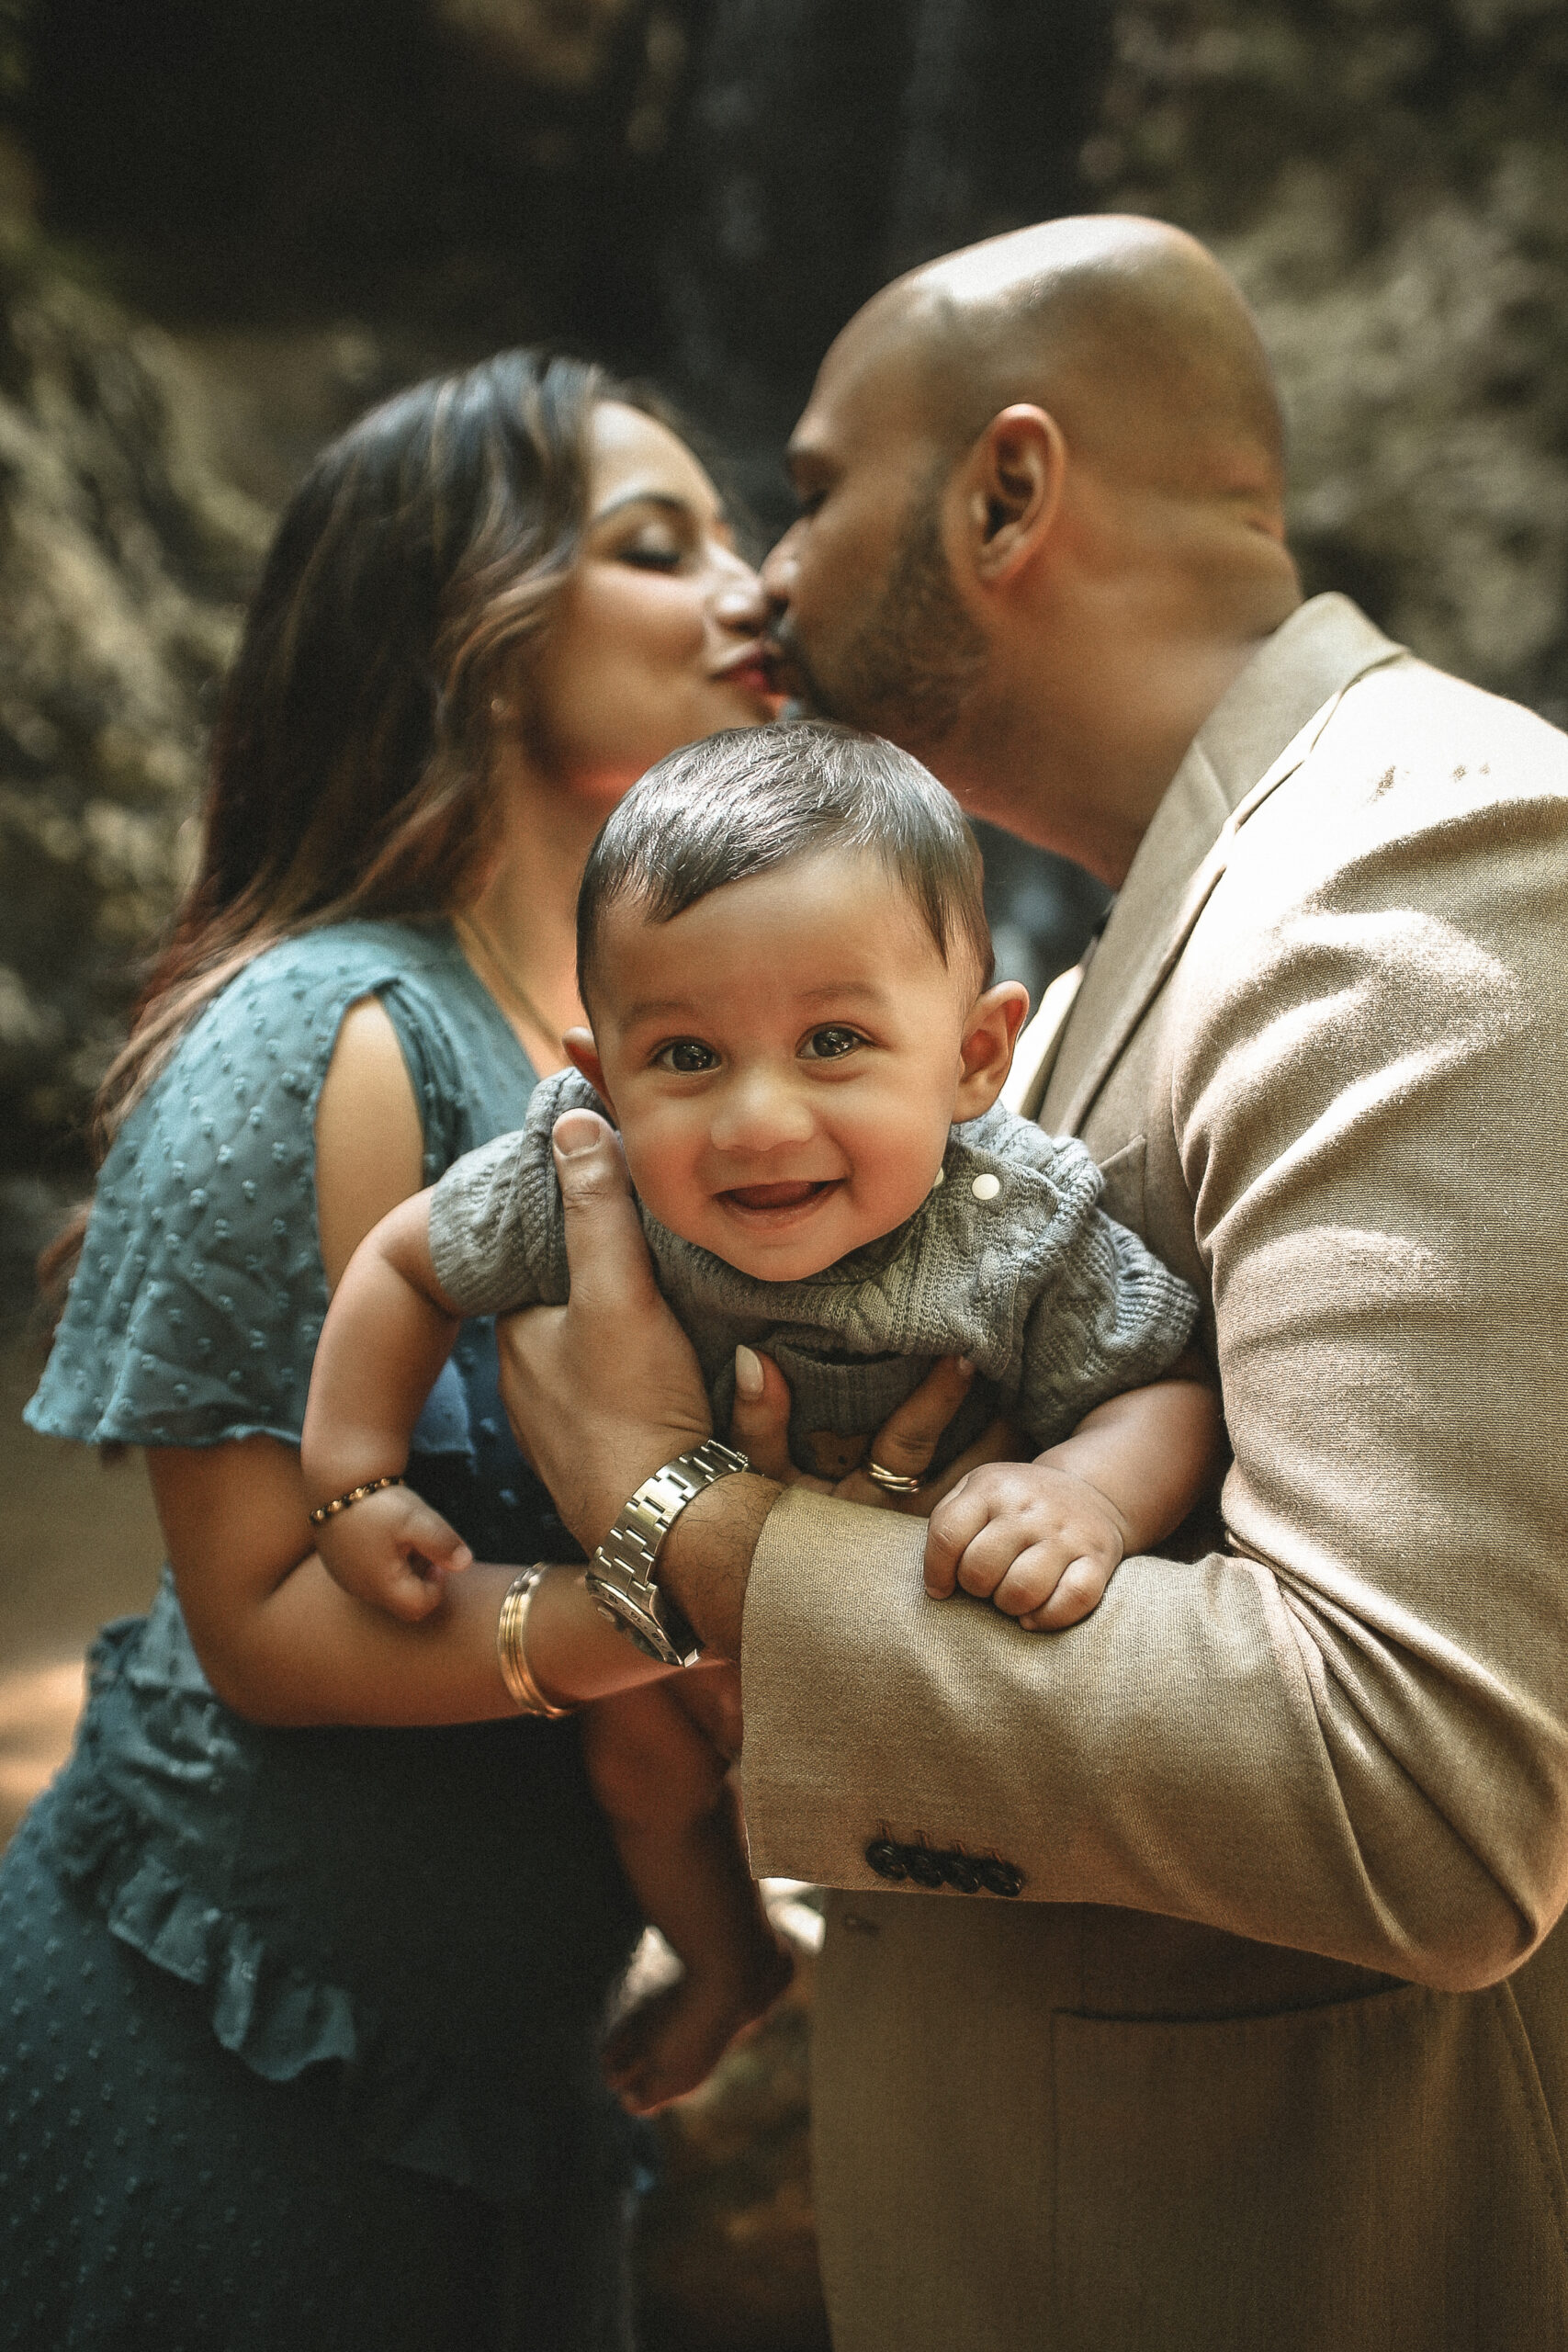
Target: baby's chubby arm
389, 1331
1042, 1539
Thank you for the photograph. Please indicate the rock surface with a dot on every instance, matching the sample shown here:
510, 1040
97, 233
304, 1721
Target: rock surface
122, 554
1389, 181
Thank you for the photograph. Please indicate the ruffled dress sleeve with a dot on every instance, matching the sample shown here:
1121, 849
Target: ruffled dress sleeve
194, 1313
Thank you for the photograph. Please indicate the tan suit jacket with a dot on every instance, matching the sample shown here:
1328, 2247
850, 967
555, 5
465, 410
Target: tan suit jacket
1273, 2052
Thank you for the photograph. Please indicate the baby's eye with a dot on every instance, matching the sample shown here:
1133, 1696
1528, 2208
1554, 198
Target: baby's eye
687, 1057
830, 1045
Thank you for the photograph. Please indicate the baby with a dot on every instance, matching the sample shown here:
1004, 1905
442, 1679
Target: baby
784, 955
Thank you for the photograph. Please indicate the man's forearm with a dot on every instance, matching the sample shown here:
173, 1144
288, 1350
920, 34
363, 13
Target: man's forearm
1165, 1754
707, 1555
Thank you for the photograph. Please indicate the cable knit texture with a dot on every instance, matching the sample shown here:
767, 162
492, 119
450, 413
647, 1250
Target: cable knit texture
1010, 1261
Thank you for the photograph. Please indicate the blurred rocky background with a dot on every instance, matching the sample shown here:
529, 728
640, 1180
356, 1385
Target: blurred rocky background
224, 228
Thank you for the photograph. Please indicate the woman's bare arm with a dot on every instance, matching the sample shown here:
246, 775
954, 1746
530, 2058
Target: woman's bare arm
279, 1641
369, 1142
282, 1644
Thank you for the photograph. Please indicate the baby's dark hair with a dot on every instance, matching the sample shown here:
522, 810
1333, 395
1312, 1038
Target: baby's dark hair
741, 802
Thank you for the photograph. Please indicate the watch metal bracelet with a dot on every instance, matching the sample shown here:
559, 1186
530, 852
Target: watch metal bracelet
620, 1574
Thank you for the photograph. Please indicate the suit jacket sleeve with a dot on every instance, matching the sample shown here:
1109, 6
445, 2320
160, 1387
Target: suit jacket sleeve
1348, 1731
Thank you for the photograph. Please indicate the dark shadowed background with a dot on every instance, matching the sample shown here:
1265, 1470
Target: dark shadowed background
224, 228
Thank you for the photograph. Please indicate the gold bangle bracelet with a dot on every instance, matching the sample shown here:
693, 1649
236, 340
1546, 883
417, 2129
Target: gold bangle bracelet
511, 1647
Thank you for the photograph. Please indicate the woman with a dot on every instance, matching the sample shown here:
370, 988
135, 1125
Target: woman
300, 2040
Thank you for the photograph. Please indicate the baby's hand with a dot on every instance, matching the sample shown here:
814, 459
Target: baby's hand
1038, 1542
393, 1552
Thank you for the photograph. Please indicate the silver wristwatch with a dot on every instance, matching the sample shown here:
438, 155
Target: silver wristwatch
620, 1574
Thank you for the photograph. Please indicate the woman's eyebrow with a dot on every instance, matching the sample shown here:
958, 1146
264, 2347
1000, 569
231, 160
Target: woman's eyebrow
664, 498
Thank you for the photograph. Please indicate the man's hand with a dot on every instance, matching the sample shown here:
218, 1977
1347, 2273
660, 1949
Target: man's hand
605, 1390
904, 1444
1039, 1542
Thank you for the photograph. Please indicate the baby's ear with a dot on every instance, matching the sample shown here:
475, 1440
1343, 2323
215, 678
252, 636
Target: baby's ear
583, 1055
989, 1035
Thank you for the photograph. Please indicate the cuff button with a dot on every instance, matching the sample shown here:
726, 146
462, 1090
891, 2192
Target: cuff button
999, 1877
885, 1856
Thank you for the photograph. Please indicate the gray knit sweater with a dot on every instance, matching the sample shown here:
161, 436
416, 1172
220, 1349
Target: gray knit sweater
1009, 1260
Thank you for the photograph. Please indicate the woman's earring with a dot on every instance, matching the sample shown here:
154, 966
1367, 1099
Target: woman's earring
500, 708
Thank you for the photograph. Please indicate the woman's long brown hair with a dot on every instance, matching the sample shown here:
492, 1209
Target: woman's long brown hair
349, 769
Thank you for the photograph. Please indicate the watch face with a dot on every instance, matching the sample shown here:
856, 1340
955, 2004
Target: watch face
657, 1627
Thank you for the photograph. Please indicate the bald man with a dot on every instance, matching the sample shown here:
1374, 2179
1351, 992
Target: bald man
1268, 2045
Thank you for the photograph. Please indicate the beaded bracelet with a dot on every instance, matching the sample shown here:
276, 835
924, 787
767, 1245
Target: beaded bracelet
324, 1511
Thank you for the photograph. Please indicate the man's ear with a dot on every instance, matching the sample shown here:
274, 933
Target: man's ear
989, 1035
1012, 486
583, 1055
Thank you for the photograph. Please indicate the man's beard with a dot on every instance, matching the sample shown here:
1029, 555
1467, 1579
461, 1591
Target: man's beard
913, 662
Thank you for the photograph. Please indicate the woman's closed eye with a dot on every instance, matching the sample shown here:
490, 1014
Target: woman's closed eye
830, 1044
687, 1057
652, 552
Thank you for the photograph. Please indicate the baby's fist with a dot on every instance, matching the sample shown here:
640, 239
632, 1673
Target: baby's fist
1038, 1542
392, 1552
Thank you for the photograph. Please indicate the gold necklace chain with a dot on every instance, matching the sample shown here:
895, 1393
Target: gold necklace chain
469, 925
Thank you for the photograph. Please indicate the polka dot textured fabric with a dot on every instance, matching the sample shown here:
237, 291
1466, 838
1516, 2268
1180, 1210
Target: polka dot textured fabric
157, 2196
298, 2029
194, 1312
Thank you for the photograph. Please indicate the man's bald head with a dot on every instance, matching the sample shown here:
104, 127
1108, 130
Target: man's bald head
1125, 330
1042, 528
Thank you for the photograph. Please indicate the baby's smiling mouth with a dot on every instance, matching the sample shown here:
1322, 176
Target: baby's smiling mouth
764, 1197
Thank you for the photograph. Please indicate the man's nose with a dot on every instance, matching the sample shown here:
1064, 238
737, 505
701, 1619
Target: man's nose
780, 567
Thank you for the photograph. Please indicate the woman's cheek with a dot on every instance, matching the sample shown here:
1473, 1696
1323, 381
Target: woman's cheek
661, 621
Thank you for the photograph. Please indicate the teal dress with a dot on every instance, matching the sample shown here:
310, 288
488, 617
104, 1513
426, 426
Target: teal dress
298, 2034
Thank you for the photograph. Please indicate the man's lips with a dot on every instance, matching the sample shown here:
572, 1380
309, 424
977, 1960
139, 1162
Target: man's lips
793, 673
788, 674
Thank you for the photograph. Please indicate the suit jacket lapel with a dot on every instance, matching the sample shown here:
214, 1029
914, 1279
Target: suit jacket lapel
1257, 735
1035, 1055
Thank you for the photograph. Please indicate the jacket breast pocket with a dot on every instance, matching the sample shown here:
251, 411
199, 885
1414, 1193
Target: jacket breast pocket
1377, 2176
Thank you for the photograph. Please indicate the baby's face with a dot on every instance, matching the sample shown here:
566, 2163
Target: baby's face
786, 1058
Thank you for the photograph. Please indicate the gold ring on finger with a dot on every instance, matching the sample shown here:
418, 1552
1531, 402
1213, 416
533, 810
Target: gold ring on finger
894, 1482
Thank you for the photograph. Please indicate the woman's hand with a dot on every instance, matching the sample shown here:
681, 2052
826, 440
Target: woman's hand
904, 1444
